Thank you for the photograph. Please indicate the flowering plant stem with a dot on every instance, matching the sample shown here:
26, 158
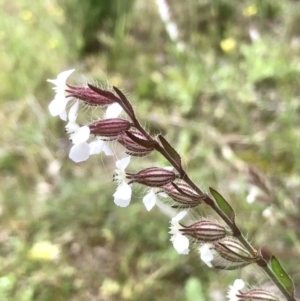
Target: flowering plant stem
261, 262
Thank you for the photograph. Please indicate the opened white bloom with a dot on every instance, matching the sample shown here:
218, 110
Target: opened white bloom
234, 290
98, 146
113, 110
180, 242
207, 254
80, 151
122, 196
59, 103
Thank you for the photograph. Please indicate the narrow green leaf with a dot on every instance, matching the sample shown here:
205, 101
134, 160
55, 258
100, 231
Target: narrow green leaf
282, 275
223, 204
170, 150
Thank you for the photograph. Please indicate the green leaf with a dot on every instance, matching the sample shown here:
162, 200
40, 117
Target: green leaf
223, 204
194, 290
282, 275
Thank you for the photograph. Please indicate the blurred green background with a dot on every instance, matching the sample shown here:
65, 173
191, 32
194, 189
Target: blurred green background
224, 90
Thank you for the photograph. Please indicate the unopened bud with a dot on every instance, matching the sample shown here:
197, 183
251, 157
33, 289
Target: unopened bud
111, 128
88, 96
132, 147
235, 294
188, 197
233, 252
152, 177
204, 231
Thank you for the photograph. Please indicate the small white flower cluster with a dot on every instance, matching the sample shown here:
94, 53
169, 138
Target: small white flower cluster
181, 243
79, 135
81, 149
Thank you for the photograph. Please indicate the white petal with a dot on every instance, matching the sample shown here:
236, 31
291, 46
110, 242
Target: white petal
96, 147
61, 78
170, 168
123, 191
149, 200
57, 105
113, 110
179, 216
234, 290
181, 244
123, 163
206, 254
107, 150
122, 202
79, 152
239, 284
73, 112
81, 135
63, 115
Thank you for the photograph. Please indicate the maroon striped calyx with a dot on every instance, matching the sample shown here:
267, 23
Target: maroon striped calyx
204, 231
232, 254
89, 96
133, 148
182, 193
110, 128
152, 177
256, 294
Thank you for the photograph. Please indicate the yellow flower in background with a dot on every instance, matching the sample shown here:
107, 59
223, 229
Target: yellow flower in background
44, 251
250, 10
228, 45
26, 15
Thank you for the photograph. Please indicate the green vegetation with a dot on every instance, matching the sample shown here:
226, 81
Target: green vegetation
228, 101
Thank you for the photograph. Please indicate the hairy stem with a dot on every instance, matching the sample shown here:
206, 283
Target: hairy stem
235, 230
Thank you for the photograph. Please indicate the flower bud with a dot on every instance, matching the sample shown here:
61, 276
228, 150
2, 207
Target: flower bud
189, 198
233, 253
152, 177
226, 254
110, 128
132, 147
88, 96
204, 231
235, 294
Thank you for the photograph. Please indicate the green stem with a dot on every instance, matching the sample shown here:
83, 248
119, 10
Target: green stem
236, 231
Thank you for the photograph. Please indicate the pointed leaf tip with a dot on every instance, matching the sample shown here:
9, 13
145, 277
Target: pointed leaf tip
104, 93
124, 102
171, 151
223, 204
282, 275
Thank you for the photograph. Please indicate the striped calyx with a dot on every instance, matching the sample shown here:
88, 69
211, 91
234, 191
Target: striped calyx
88, 96
110, 128
133, 148
233, 252
152, 177
204, 231
256, 294
185, 195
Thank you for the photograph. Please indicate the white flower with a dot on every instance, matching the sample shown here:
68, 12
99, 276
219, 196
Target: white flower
207, 254
122, 196
98, 146
234, 290
150, 198
180, 242
59, 103
80, 151
113, 111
